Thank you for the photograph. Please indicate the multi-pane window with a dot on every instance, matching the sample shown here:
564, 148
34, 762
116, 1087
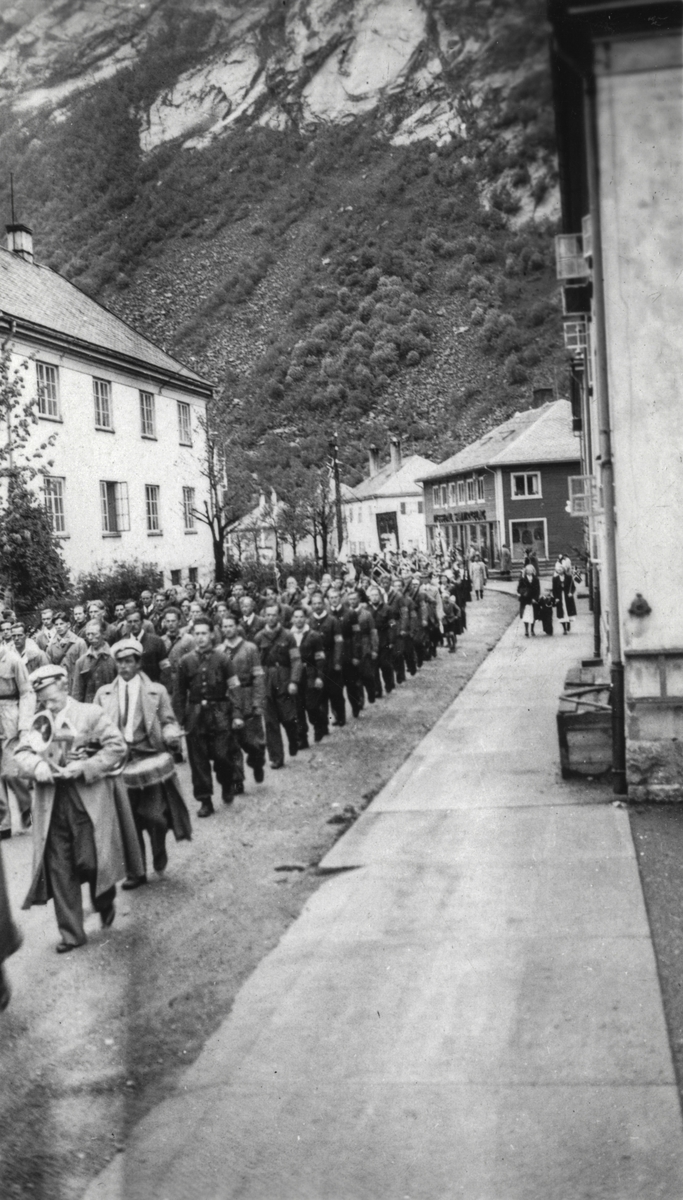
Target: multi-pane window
152, 507
48, 390
471, 489
527, 484
102, 396
451, 494
480, 487
461, 492
184, 423
420, 506
188, 507
444, 495
54, 502
175, 578
114, 506
436, 496
148, 424
192, 575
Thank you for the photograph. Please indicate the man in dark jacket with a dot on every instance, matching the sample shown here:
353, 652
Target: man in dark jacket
281, 664
311, 692
209, 697
249, 621
364, 645
329, 628
385, 624
246, 661
154, 662
95, 668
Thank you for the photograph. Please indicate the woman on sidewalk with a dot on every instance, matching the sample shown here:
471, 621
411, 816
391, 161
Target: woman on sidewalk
564, 590
478, 576
529, 591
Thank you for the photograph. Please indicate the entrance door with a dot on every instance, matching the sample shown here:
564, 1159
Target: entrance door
529, 535
387, 530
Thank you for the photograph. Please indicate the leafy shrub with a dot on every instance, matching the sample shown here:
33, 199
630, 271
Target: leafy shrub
486, 251
122, 580
413, 358
514, 371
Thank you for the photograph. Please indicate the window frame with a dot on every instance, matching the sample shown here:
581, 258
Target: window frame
50, 495
420, 506
153, 509
462, 492
480, 489
471, 490
402, 508
121, 507
526, 494
184, 408
97, 400
452, 494
144, 397
436, 496
42, 384
189, 519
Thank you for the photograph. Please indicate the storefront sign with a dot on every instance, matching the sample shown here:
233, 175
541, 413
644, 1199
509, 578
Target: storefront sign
477, 514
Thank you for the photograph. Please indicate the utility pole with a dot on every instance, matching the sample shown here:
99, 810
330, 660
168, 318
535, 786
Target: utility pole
334, 450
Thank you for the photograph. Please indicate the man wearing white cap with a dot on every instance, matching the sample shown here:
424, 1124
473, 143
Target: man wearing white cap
81, 834
143, 712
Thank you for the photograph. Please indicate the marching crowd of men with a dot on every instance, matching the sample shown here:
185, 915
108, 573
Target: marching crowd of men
231, 672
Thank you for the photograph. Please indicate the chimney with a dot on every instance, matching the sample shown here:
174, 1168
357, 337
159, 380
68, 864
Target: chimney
541, 396
20, 241
373, 459
395, 451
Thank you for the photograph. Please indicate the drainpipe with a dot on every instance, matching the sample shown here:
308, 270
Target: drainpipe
606, 461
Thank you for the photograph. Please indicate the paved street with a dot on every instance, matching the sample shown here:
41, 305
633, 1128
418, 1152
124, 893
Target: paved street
469, 1005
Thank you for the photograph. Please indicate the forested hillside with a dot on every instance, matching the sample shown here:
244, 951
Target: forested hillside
380, 267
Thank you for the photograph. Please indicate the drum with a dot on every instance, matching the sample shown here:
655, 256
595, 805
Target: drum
153, 768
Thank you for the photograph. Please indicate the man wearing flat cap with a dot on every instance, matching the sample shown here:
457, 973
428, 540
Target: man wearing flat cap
82, 833
142, 711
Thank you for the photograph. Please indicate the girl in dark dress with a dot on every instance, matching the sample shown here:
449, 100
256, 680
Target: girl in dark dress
529, 592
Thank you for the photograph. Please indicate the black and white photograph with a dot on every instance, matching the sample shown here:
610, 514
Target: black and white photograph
341, 600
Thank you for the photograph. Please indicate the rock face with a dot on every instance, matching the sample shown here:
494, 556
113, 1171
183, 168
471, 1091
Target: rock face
413, 62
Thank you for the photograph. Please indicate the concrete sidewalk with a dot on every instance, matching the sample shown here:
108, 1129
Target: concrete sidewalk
472, 1011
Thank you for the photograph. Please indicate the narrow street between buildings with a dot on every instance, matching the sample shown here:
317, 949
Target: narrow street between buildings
94, 1040
468, 1006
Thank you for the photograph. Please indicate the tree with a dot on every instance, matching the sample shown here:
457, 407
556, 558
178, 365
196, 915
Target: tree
230, 487
31, 563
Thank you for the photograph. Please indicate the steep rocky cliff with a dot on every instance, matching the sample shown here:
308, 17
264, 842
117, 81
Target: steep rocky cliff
341, 210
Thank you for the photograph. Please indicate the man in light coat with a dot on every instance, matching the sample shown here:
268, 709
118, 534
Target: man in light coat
81, 833
142, 711
17, 706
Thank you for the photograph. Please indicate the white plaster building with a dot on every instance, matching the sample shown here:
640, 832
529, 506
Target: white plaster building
386, 510
129, 449
618, 79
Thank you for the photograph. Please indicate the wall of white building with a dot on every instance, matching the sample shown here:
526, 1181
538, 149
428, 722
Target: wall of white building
360, 523
84, 455
640, 98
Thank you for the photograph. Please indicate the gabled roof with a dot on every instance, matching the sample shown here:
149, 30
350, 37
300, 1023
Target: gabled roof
388, 482
537, 435
48, 306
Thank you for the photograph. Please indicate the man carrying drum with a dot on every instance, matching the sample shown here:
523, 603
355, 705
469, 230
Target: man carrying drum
142, 711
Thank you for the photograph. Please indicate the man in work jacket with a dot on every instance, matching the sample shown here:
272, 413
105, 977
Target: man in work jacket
310, 696
281, 664
364, 645
209, 697
385, 624
329, 628
17, 706
245, 660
